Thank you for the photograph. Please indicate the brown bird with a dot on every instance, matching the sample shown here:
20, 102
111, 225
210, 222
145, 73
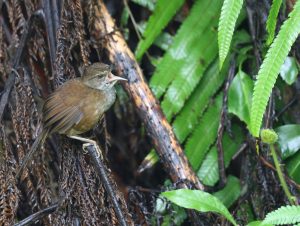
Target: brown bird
76, 106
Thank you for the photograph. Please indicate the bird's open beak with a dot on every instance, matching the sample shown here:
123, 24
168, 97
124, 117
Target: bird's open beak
113, 78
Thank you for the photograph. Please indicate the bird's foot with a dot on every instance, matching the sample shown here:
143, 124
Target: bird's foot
87, 143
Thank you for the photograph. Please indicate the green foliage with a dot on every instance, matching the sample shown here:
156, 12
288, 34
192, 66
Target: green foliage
163, 13
272, 19
229, 14
149, 4
289, 70
284, 215
163, 40
209, 170
258, 223
270, 67
162, 208
239, 96
230, 193
188, 118
289, 139
190, 73
293, 167
193, 49
204, 135
193, 109
198, 200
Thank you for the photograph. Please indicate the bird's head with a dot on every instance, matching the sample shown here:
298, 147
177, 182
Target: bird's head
99, 76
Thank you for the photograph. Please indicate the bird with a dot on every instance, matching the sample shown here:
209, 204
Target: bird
76, 106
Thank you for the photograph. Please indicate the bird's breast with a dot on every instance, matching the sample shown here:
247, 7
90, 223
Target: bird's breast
93, 106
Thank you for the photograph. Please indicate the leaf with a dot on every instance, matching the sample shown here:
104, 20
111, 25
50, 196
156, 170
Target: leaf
149, 4
293, 167
204, 135
258, 223
163, 40
209, 170
190, 73
193, 109
230, 193
229, 14
289, 70
163, 210
272, 19
150, 160
198, 200
189, 55
239, 96
163, 13
289, 139
284, 215
270, 67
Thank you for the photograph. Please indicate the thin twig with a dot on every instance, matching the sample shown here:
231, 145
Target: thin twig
252, 26
33, 218
221, 164
101, 171
269, 114
50, 17
269, 165
135, 26
17, 59
286, 107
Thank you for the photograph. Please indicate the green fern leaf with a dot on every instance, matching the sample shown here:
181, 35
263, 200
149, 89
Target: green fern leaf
272, 19
230, 193
209, 170
193, 48
284, 215
204, 135
193, 109
270, 67
191, 72
229, 14
163, 13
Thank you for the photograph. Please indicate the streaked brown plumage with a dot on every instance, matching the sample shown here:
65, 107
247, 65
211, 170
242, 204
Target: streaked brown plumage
77, 105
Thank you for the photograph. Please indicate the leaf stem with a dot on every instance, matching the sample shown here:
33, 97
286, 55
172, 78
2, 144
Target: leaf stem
280, 175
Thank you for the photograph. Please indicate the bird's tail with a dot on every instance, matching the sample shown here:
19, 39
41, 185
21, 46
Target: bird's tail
35, 146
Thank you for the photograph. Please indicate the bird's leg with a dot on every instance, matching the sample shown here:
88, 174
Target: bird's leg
88, 142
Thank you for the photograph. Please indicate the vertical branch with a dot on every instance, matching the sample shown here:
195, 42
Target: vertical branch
221, 164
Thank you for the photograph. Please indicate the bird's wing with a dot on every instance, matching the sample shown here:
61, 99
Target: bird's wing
61, 112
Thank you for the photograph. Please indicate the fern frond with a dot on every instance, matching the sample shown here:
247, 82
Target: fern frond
270, 67
272, 19
204, 134
229, 14
231, 192
193, 109
163, 13
189, 52
209, 170
284, 215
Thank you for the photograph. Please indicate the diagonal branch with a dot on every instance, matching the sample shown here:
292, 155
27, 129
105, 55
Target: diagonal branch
147, 107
